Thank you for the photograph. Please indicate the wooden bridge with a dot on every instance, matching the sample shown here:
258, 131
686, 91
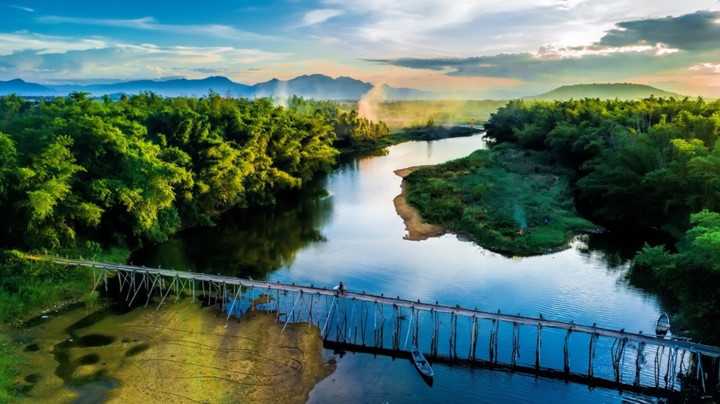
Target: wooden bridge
627, 361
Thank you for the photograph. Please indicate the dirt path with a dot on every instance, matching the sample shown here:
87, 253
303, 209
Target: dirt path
417, 229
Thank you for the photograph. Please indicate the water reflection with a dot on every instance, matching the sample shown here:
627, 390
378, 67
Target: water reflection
354, 235
616, 249
247, 242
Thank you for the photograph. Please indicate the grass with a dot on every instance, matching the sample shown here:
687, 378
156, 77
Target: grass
8, 370
508, 200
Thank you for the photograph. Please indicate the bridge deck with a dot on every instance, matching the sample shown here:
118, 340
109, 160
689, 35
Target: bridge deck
706, 350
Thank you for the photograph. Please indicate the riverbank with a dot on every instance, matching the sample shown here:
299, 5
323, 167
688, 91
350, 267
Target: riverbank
417, 229
423, 132
181, 353
507, 200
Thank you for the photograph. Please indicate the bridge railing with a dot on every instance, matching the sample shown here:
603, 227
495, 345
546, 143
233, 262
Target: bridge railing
631, 361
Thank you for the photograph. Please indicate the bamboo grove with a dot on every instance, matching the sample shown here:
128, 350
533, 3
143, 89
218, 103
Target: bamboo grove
652, 163
79, 170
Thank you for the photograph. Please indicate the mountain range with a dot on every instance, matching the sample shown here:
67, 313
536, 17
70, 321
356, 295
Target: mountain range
315, 86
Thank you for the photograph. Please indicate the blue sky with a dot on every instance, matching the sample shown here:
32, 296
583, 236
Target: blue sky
470, 48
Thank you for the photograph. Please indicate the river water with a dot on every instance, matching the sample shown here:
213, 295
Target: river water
353, 234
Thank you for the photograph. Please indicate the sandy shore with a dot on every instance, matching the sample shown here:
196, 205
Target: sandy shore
185, 354
417, 229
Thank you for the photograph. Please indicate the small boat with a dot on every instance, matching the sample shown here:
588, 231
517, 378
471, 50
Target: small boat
663, 325
421, 363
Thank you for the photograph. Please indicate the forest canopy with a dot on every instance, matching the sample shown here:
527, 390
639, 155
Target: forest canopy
79, 171
651, 163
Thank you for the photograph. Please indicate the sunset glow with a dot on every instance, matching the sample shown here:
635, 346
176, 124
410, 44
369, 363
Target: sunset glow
475, 49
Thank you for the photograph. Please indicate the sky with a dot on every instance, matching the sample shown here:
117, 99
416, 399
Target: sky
464, 49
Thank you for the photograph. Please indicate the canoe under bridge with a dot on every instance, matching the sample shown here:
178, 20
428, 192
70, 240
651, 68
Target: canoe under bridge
385, 325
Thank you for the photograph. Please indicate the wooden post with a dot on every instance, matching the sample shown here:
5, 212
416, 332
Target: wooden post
136, 291
149, 293
639, 359
396, 328
409, 328
166, 293
455, 334
287, 317
131, 285
233, 308
566, 353
538, 346
617, 350
473, 338
658, 361
591, 353
354, 325
515, 344
493, 345
700, 372
177, 288
322, 333
417, 328
120, 276
363, 321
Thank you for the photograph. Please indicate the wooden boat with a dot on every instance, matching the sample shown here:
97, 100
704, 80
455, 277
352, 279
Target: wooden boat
421, 363
663, 325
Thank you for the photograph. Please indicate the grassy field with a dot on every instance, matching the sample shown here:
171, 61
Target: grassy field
508, 200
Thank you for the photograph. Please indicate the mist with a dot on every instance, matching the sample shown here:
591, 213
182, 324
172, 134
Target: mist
369, 104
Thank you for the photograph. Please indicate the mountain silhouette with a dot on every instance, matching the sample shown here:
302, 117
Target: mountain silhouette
316, 86
20, 87
622, 91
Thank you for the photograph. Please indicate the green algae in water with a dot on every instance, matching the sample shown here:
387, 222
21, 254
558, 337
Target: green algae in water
32, 348
89, 359
136, 350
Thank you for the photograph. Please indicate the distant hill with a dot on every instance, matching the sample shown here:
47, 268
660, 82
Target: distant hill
623, 91
168, 88
23, 88
315, 86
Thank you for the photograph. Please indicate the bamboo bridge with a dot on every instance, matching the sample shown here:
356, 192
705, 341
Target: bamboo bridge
383, 325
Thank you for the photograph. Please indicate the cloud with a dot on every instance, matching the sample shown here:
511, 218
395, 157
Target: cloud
150, 24
553, 52
15, 6
667, 46
437, 28
705, 68
130, 61
203, 70
42, 44
697, 31
531, 67
319, 16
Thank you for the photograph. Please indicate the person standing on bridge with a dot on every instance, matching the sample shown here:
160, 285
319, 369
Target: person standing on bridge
341, 288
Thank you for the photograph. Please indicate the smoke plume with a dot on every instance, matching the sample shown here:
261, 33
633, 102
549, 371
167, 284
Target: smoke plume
369, 104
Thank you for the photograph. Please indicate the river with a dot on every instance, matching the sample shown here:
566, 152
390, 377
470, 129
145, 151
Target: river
353, 234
